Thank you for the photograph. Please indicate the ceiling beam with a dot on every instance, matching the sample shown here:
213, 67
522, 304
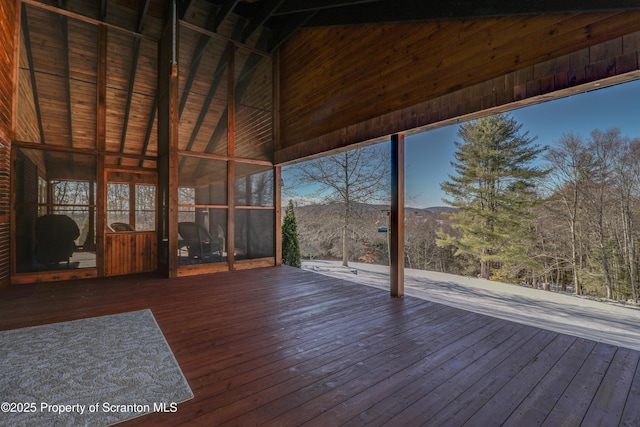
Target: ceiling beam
223, 13
388, 11
280, 35
298, 6
103, 10
266, 11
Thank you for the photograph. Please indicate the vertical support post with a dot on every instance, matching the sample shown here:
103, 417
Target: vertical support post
277, 181
231, 152
168, 120
101, 136
397, 216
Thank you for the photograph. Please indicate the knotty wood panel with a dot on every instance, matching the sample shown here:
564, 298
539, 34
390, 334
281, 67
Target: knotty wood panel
283, 346
7, 63
334, 78
130, 252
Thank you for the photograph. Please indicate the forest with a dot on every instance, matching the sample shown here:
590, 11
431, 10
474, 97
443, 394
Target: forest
563, 218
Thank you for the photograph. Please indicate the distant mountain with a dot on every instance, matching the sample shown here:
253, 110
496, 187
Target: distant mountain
320, 228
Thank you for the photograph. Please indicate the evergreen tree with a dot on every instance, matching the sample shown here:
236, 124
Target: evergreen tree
290, 244
493, 189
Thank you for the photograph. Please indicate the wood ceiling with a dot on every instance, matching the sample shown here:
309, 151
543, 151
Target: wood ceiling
59, 59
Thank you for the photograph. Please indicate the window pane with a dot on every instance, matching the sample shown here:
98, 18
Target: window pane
145, 207
117, 203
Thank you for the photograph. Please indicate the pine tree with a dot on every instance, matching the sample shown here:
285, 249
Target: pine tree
290, 244
493, 189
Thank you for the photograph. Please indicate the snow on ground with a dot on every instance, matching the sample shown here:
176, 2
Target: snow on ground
600, 321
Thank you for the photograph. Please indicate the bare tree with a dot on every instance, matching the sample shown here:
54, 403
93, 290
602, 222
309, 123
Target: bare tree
570, 166
347, 178
603, 146
627, 178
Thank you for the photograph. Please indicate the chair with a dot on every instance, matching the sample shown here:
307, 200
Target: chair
200, 245
55, 238
122, 226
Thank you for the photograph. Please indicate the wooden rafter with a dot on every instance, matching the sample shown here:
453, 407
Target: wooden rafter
354, 13
224, 12
32, 74
292, 25
213, 88
227, 121
241, 86
203, 42
132, 77
268, 8
150, 122
297, 6
103, 10
64, 22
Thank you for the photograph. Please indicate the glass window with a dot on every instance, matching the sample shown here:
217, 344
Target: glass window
117, 204
145, 207
131, 205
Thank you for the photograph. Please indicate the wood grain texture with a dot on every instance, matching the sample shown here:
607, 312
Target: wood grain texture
5, 210
355, 84
283, 346
7, 63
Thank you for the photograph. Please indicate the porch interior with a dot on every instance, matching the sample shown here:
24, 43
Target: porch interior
284, 346
215, 96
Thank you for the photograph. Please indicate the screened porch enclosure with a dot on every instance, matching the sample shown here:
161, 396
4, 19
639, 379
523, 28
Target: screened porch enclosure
86, 152
208, 99
55, 211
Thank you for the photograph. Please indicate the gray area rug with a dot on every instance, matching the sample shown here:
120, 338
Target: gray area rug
89, 372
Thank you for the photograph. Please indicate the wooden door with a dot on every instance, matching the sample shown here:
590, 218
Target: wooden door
131, 220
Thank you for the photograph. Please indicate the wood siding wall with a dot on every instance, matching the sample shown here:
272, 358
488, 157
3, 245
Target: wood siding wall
7, 69
346, 83
5, 224
130, 252
7, 63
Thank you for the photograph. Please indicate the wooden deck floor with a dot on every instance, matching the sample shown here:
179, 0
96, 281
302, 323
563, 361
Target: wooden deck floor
282, 346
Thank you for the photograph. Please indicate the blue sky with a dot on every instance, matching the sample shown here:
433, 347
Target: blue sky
428, 155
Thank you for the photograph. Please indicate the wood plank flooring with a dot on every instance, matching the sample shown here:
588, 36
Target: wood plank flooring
285, 347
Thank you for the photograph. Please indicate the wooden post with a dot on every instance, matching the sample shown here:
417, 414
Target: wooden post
101, 137
277, 180
231, 152
168, 146
397, 216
